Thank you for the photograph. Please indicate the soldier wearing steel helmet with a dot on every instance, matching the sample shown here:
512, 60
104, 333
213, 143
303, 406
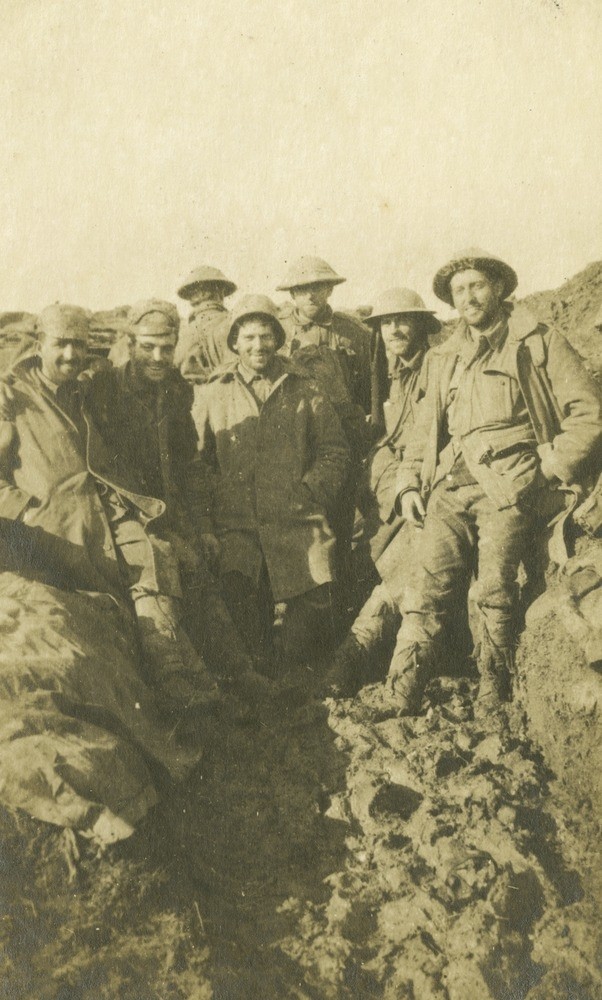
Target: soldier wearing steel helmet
509, 414
335, 350
276, 455
203, 345
402, 325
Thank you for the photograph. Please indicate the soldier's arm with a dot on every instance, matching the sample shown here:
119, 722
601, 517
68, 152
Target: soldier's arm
326, 476
415, 446
206, 468
13, 501
576, 450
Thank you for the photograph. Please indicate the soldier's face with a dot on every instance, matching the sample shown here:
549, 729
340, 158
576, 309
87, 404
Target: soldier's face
152, 352
256, 344
63, 357
311, 299
476, 297
402, 334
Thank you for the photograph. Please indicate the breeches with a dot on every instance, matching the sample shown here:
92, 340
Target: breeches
463, 533
147, 563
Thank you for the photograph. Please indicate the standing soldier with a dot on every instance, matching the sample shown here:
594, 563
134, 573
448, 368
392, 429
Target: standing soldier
277, 458
142, 410
403, 323
203, 346
334, 349
509, 415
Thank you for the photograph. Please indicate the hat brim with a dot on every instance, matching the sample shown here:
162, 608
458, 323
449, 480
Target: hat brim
277, 326
430, 322
188, 290
314, 281
442, 279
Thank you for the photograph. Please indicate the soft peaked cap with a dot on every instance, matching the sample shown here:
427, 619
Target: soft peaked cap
142, 309
60, 320
480, 260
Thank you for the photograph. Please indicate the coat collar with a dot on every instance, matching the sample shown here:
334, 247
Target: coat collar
521, 324
228, 372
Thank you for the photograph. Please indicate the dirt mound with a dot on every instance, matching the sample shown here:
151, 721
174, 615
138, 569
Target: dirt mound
574, 309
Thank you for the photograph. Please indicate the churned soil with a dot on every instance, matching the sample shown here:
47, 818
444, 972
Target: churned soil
320, 854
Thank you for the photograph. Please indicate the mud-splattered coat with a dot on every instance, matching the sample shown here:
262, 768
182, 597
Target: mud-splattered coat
275, 471
52, 471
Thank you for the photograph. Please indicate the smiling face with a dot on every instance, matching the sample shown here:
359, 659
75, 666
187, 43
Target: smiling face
311, 299
256, 344
402, 334
477, 297
63, 354
153, 347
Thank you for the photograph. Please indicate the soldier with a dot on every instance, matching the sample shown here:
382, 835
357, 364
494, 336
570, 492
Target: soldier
334, 349
203, 344
86, 521
277, 457
508, 415
403, 323
142, 409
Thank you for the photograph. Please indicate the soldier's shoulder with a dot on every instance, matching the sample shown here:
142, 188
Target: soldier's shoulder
221, 375
349, 324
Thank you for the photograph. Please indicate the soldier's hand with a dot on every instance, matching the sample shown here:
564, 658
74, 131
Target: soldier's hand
412, 508
210, 548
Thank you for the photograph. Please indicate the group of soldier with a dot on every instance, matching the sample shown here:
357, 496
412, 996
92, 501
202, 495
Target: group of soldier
217, 480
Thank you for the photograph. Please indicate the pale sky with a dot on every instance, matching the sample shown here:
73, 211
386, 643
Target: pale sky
141, 138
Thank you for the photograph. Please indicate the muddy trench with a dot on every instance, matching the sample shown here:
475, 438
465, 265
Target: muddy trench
318, 854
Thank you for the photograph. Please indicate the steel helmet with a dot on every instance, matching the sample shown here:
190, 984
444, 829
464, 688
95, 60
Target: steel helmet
259, 306
397, 301
480, 260
202, 276
309, 271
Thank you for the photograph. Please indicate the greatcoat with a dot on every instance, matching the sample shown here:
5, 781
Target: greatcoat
53, 468
275, 473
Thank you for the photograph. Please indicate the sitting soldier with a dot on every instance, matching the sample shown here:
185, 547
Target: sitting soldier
509, 415
403, 323
87, 526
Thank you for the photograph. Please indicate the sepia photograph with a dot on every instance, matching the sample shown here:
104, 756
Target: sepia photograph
301, 500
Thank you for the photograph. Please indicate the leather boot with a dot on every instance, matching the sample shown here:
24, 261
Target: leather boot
180, 678
347, 673
407, 680
496, 668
